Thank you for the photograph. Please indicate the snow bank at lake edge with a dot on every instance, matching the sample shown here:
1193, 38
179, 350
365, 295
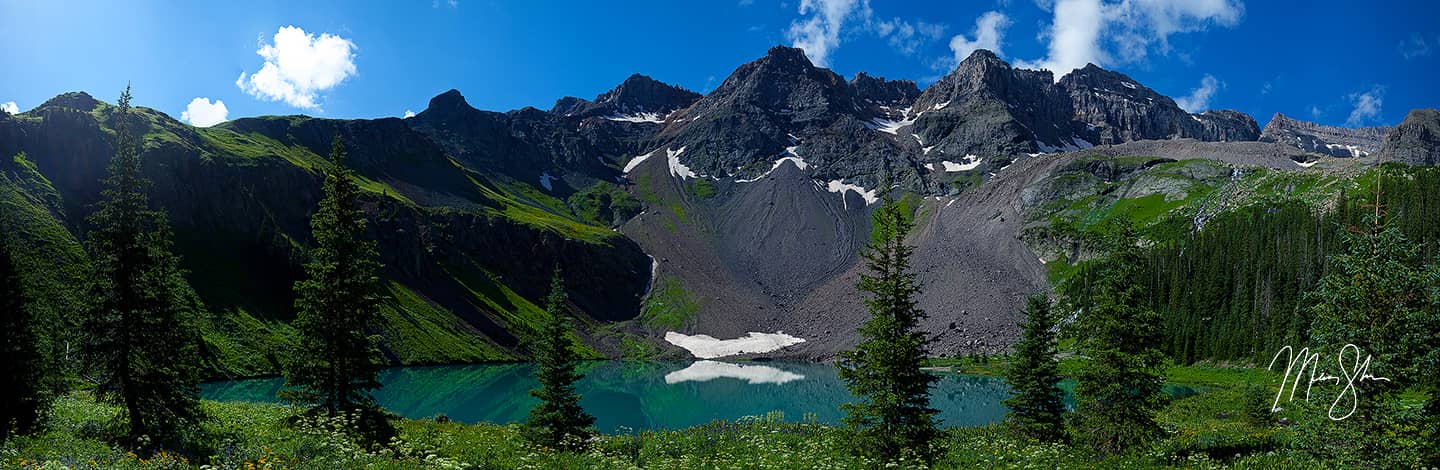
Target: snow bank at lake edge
708, 347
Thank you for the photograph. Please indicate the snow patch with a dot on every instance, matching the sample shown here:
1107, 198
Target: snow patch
971, 162
704, 371
927, 150
940, 106
1306, 164
546, 179
1128, 85
792, 158
707, 347
1354, 151
891, 126
634, 162
678, 169
837, 186
637, 117
1074, 144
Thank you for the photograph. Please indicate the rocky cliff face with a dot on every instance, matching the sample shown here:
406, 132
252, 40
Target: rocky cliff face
639, 98
986, 107
1324, 140
1416, 140
782, 106
879, 91
1113, 108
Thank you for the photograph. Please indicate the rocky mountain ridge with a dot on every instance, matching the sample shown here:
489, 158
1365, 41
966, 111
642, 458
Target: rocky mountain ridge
1416, 140
1324, 140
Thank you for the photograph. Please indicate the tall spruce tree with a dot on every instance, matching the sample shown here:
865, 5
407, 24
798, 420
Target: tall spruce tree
338, 362
1119, 387
24, 398
1380, 296
558, 420
140, 339
894, 417
1036, 410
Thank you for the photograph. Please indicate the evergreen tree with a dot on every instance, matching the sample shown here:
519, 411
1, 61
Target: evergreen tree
338, 362
140, 339
23, 396
1380, 297
1119, 387
1036, 410
894, 417
558, 420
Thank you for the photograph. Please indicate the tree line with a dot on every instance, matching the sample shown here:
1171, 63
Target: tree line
1236, 289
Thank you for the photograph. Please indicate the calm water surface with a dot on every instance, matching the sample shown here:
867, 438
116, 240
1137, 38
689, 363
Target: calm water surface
643, 395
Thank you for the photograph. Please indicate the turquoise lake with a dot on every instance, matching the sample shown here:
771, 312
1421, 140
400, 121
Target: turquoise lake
644, 395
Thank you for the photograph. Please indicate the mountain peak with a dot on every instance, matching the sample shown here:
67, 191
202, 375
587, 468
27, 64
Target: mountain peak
449, 101
785, 53
75, 100
637, 94
982, 54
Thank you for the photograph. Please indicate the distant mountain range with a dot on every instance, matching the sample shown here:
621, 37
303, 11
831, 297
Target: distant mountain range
734, 211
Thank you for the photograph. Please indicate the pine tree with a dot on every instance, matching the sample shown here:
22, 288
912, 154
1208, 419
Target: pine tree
1119, 387
338, 362
894, 418
23, 396
1380, 297
1036, 410
140, 338
557, 421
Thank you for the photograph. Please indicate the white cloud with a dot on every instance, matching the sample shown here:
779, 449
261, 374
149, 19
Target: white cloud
10, 107
1367, 106
1416, 46
409, 114
824, 24
817, 32
1199, 98
201, 112
1110, 33
298, 66
989, 34
907, 37
1074, 37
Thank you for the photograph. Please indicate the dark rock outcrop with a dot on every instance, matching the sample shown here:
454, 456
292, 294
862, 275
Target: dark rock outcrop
638, 94
878, 90
1114, 108
1416, 140
986, 107
1324, 140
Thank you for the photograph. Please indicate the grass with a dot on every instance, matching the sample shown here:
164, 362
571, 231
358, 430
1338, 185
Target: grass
418, 331
669, 307
1209, 430
515, 312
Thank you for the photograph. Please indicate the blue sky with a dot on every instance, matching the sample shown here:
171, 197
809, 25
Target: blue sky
1331, 61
